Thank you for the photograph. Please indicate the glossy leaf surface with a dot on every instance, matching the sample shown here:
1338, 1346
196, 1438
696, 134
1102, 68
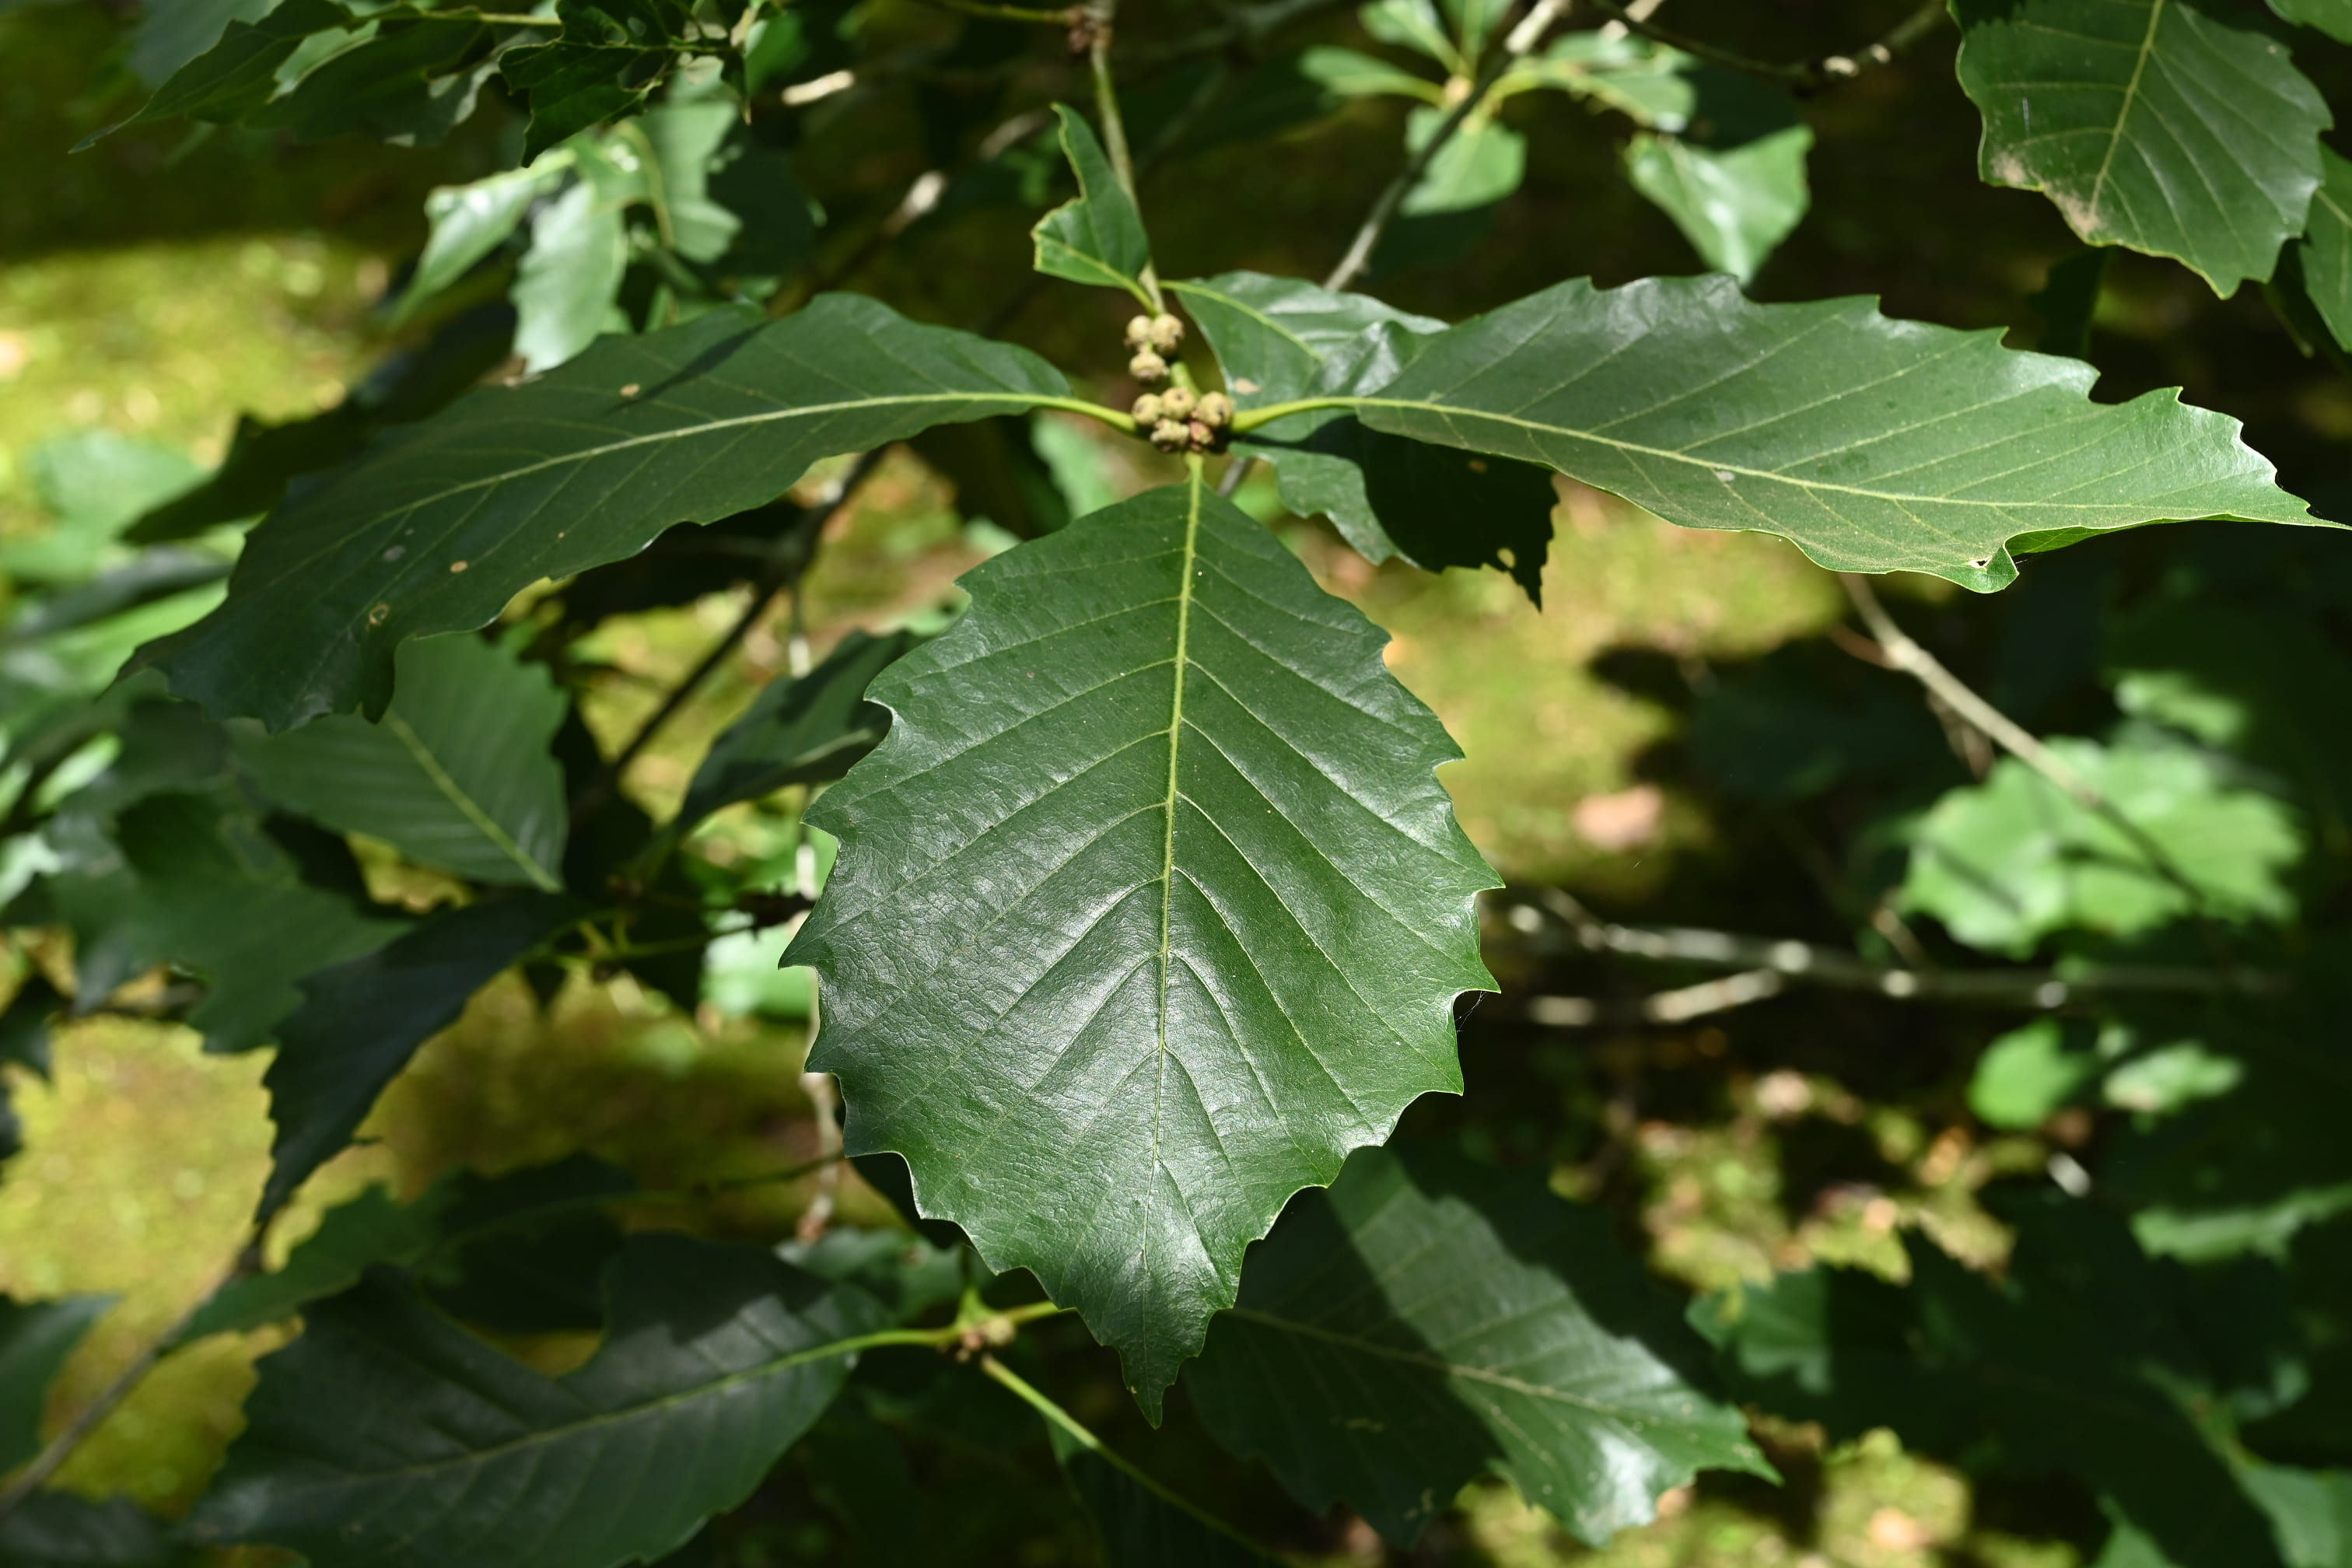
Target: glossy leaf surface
1423, 1321
2148, 123
359, 1022
1152, 873
1282, 338
1097, 239
61, 1530
457, 773
1873, 444
385, 1435
439, 523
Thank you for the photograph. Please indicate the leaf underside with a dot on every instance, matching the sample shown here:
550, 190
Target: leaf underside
1147, 910
1874, 444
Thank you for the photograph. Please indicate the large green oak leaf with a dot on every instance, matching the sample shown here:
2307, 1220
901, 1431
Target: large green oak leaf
1425, 1321
437, 524
2148, 123
1147, 910
1872, 444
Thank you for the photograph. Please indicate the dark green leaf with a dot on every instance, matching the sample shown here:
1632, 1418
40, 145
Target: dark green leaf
36, 1338
905, 1273
384, 1437
1425, 1321
403, 77
1280, 338
2149, 123
2068, 303
799, 731
1151, 870
238, 74
2327, 248
188, 883
24, 1043
610, 56
352, 1236
59, 1530
858, 1468
1873, 444
457, 774
2333, 17
169, 37
359, 1022
1134, 1526
1097, 239
2014, 860
2086, 1360
525, 1252
441, 523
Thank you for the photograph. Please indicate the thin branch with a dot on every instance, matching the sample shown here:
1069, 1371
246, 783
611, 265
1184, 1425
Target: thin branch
786, 559
1520, 42
87, 1420
1902, 653
1801, 76
1764, 967
1099, 22
1070, 1426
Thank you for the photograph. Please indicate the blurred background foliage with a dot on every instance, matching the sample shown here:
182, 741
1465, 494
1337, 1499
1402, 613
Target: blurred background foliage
1655, 739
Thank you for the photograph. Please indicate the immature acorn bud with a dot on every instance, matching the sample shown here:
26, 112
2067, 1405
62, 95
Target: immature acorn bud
1148, 367
1215, 409
1164, 332
1202, 438
1138, 332
1148, 409
1176, 404
1169, 436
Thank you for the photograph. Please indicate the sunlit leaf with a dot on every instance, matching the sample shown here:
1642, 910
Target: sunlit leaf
1874, 444
1281, 338
2006, 863
2148, 123
1098, 237
1151, 871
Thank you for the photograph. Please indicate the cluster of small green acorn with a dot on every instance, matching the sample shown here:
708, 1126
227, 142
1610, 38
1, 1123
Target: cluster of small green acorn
1178, 420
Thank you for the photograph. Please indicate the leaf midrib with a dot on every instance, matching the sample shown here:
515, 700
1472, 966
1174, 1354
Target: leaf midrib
684, 433
2131, 97
483, 823
596, 1419
1669, 455
1175, 745
1431, 1363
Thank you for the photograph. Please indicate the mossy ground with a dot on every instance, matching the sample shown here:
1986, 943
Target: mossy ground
144, 1155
